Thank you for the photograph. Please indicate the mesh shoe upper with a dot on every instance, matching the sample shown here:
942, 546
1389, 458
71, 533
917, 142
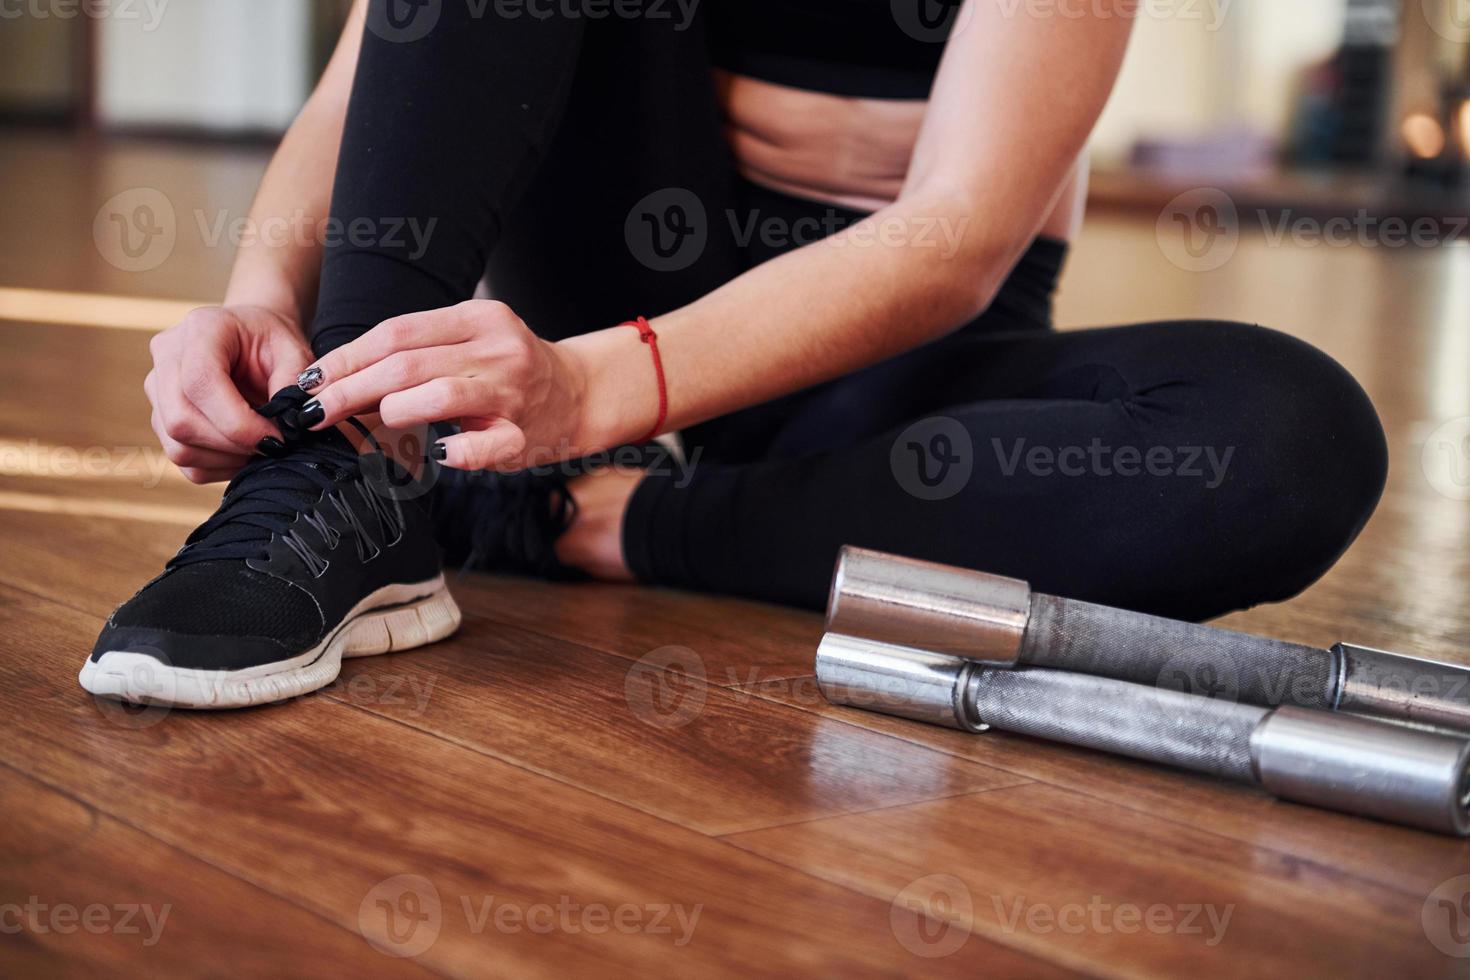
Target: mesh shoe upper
299, 541
225, 598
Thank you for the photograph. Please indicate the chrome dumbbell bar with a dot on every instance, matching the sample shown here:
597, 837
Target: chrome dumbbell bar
1000, 621
988, 659
1340, 762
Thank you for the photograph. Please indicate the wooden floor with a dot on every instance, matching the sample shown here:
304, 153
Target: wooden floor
599, 780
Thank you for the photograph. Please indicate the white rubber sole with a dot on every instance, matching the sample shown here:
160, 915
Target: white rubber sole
394, 618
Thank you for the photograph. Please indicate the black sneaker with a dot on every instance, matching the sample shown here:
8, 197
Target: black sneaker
504, 522
510, 522
308, 560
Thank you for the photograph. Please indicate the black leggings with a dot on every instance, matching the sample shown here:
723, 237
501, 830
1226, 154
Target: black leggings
1185, 468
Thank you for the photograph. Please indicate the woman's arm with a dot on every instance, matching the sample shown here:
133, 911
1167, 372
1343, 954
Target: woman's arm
1013, 103
1016, 95
212, 367
297, 191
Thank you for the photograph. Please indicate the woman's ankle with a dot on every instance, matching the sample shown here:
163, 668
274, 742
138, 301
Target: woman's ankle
593, 541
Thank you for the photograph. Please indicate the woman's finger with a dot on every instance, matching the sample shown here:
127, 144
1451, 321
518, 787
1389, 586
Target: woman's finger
438, 400
181, 421
372, 387
204, 380
184, 455
499, 445
194, 475
431, 328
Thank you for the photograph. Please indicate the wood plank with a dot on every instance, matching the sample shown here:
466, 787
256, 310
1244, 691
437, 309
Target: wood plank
739, 641
650, 735
666, 741
82, 893
1411, 861
1112, 890
327, 805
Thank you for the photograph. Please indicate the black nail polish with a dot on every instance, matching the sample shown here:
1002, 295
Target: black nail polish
270, 446
309, 379
439, 452
311, 413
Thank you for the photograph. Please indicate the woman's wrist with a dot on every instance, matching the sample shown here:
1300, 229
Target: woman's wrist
268, 289
619, 401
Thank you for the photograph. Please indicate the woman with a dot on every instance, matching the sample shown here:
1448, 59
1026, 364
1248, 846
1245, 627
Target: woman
843, 220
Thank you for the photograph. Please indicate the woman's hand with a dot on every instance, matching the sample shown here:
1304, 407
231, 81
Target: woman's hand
518, 399
208, 370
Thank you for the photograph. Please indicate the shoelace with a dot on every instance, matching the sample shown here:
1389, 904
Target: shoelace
266, 498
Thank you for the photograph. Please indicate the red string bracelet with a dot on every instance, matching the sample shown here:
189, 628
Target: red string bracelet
646, 334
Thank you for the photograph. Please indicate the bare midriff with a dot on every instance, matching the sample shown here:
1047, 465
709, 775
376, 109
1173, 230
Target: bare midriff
851, 152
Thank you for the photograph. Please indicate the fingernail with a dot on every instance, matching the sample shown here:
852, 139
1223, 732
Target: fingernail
311, 413
309, 379
270, 446
439, 451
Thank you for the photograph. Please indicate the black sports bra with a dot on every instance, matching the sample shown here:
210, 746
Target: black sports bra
885, 49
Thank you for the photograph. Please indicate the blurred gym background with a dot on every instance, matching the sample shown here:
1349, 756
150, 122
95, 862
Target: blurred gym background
1268, 94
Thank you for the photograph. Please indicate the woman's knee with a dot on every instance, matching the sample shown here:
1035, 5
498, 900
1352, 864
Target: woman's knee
1310, 455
